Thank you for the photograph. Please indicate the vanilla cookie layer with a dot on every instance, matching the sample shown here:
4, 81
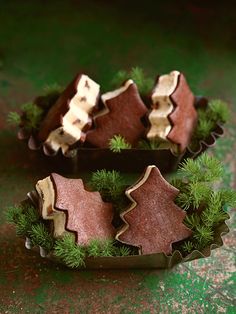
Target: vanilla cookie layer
46, 193
77, 117
162, 106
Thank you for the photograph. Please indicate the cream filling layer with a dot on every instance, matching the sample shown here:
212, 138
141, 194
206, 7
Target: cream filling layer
76, 117
46, 191
162, 106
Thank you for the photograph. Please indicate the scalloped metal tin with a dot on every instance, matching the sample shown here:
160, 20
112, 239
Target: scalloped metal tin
150, 261
96, 158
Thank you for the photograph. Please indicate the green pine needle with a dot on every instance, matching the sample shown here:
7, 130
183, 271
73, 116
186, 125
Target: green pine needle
39, 235
101, 248
108, 183
219, 111
204, 129
117, 143
149, 144
203, 235
199, 193
69, 252
205, 168
143, 83
184, 201
123, 251
228, 197
187, 246
32, 115
13, 213
14, 118
216, 112
23, 226
120, 78
52, 89
192, 221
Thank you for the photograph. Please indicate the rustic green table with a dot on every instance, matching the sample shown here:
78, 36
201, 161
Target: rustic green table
42, 43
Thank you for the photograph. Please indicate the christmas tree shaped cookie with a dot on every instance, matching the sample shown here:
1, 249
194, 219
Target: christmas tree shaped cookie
184, 117
153, 222
73, 208
69, 119
122, 116
173, 116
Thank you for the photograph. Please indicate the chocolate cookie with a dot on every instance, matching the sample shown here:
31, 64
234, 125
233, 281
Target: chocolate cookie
122, 116
153, 222
184, 116
87, 215
67, 121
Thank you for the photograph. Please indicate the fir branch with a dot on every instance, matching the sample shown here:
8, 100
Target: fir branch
23, 226
123, 251
192, 221
199, 192
187, 246
120, 77
13, 213
143, 83
69, 252
184, 201
52, 89
151, 144
14, 118
117, 143
203, 236
98, 247
218, 111
228, 197
205, 168
32, 116
109, 183
39, 235
204, 128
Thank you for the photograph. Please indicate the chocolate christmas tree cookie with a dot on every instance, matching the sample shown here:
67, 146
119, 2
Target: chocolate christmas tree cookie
73, 208
67, 120
173, 116
153, 222
122, 115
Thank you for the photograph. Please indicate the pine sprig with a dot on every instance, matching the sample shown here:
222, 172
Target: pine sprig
117, 143
109, 183
39, 235
219, 111
13, 213
188, 246
98, 247
143, 83
24, 217
216, 112
204, 205
151, 144
203, 236
32, 116
69, 252
203, 169
123, 251
14, 118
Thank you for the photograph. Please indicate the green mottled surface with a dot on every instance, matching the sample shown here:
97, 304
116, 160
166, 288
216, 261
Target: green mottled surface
42, 43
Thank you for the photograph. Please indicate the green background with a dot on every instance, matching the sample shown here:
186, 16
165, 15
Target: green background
43, 42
